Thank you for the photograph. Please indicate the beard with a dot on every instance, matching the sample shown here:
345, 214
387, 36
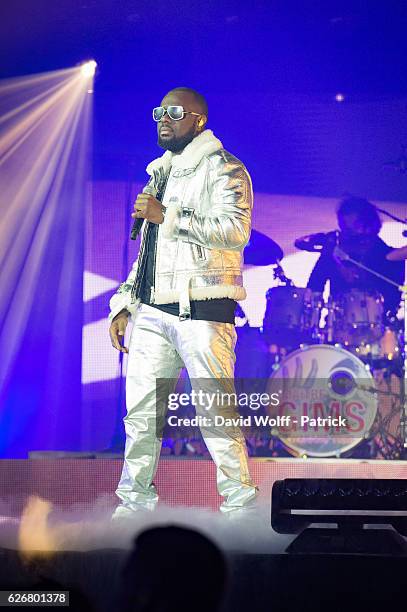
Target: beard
174, 144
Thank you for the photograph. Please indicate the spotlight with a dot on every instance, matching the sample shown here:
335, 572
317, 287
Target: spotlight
339, 97
88, 69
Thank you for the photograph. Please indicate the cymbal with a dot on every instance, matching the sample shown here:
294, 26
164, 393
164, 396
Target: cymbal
397, 254
261, 250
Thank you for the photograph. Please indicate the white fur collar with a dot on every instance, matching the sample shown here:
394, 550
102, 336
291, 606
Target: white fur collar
204, 144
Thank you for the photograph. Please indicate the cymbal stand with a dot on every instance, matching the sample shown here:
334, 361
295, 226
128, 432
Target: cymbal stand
279, 274
390, 446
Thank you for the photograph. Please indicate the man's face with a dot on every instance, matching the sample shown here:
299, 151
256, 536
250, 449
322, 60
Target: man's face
175, 135
353, 226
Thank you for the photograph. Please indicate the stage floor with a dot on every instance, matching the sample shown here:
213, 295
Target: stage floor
68, 482
90, 550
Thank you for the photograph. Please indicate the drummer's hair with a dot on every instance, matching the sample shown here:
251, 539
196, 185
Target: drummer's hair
351, 205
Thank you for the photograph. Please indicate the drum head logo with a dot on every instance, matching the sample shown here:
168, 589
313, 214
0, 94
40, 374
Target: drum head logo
327, 398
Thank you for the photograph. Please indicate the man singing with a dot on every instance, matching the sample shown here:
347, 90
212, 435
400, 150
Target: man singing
181, 295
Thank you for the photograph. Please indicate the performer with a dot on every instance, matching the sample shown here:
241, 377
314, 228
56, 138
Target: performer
181, 294
359, 224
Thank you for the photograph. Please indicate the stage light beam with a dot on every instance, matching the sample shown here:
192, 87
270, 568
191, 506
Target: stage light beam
44, 155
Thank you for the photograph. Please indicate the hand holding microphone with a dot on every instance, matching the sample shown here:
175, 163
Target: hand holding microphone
146, 207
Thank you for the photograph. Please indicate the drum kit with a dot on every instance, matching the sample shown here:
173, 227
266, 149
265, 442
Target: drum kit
336, 353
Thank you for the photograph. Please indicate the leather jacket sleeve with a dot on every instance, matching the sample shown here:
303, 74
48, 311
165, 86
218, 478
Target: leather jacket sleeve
121, 300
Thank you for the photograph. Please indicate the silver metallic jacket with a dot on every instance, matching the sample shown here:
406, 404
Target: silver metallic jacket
207, 222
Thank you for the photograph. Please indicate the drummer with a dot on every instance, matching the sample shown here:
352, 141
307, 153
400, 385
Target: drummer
359, 225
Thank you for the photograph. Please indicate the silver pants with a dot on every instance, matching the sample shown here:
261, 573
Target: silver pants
160, 345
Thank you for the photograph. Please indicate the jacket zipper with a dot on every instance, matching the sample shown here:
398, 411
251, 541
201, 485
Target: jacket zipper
141, 267
142, 256
164, 187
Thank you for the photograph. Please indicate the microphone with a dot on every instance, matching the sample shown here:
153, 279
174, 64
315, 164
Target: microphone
138, 223
135, 230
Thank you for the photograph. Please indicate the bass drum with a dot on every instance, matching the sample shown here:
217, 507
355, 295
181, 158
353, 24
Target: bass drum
328, 398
